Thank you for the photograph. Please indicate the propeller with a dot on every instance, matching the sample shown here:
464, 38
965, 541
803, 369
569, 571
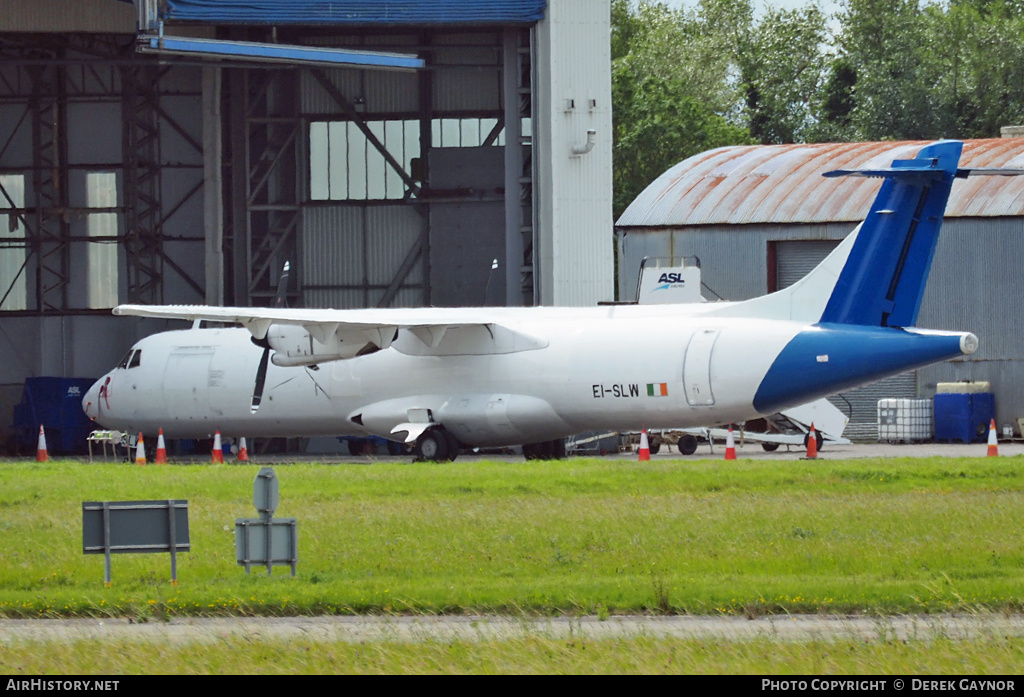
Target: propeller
487, 288
280, 300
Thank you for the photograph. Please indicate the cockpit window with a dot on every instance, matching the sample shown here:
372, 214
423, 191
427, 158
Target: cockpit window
136, 359
124, 361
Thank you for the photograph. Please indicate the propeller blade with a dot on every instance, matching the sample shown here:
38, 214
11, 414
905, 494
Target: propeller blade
281, 299
261, 379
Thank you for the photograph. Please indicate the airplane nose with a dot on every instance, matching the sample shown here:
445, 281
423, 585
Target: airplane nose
90, 401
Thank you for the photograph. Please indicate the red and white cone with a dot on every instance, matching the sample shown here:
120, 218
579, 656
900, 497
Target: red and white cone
645, 447
140, 452
243, 452
161, 449
730, 446
812, 444
993, 444
218, 451
41, 454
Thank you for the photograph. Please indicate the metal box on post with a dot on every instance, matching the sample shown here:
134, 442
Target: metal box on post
265, 541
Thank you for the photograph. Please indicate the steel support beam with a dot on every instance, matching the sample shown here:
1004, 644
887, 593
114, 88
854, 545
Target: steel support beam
518, 99
143, 219
273, 138
50, 187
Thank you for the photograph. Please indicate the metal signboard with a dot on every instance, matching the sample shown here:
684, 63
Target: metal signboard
134, 527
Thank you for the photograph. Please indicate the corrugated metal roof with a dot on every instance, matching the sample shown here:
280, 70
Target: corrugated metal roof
356, 11
783, 184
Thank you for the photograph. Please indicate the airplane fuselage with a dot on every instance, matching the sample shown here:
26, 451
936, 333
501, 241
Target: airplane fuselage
620, 368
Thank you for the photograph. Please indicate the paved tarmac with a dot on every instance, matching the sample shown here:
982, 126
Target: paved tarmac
754, 451
832, 451
486, 628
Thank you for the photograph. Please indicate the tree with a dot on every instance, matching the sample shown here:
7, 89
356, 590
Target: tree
658, 125
883, 41
671, 92
782, 66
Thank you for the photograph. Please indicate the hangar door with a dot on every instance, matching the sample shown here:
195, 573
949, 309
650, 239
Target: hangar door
794, 259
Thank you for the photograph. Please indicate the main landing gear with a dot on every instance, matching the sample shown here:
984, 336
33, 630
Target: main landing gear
436, 444
547, 450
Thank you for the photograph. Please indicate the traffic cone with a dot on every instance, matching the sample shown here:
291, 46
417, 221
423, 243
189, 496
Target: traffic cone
812, 444
161, 449
993, 445
140, 452
730, 446
218, 452
645, 448
243, 452
41, 454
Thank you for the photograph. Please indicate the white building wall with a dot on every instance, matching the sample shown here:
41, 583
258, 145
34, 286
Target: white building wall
574, 247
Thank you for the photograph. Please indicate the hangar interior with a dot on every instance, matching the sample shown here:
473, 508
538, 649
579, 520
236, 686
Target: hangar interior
420, 142
758, 218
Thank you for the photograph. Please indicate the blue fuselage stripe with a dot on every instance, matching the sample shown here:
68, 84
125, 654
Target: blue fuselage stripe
830, 358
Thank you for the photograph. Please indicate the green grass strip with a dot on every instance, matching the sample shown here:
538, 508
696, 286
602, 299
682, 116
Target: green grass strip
595, 536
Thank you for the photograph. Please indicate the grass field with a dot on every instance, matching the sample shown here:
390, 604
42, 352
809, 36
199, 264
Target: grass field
584, 536
531, 655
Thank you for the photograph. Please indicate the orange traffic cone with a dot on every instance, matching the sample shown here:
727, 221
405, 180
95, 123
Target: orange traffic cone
161, 449
218, 452
645, 448
140, 452
993, 444
730, 446
41, 454
812, 444
243, 452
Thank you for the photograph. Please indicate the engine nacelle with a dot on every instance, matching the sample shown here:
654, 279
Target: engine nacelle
294, 346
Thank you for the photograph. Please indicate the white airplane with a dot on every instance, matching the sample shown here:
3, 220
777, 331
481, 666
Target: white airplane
443, 378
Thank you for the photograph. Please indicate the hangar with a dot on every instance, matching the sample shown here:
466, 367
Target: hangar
757, 218
180, 151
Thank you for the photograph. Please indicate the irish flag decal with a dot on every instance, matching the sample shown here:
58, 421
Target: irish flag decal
657, 389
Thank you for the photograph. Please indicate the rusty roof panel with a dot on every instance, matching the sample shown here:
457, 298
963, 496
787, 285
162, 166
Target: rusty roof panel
744, 184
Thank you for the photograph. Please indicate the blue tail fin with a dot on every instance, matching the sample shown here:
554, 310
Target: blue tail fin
883, 281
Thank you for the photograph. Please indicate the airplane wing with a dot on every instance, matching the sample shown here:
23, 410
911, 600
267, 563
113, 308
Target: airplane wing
348, 333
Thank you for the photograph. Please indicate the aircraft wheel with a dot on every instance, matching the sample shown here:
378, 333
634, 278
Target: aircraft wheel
558, 449
356, 446
545, 450
770, 447
820, 439
453, 445
687, 444
396, 448
432, 446
654, 446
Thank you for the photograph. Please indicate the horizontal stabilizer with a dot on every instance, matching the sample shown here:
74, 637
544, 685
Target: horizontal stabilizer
988, 171
912, 170
887, 172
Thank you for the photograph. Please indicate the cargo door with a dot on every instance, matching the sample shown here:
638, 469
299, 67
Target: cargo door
186, 382
697, 368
